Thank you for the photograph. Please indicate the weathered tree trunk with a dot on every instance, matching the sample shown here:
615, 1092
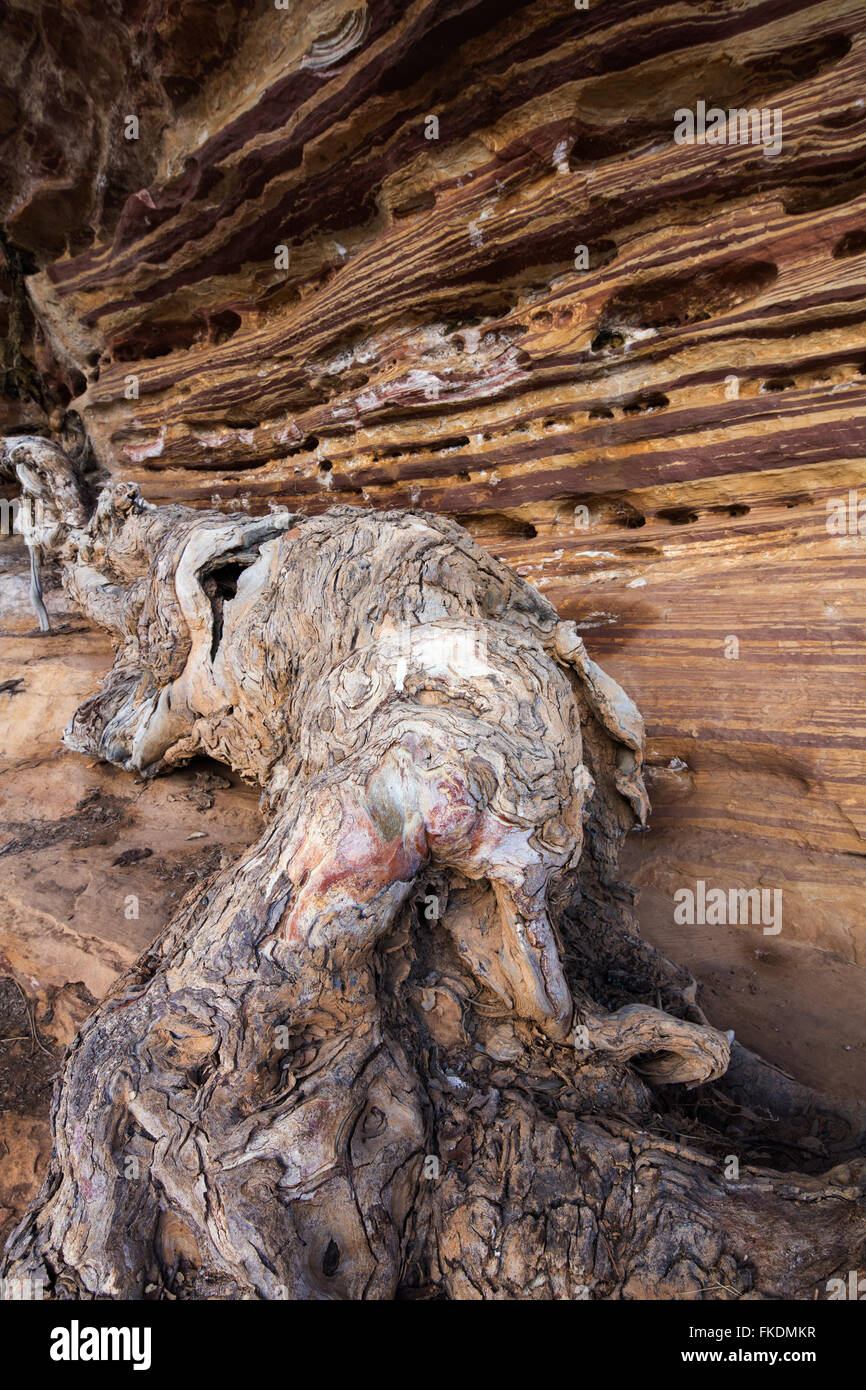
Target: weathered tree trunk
367, 1061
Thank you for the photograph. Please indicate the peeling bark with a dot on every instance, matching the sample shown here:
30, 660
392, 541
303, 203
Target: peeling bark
367, 1062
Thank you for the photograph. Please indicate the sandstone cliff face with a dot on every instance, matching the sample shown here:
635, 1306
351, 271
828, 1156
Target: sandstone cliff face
447, 254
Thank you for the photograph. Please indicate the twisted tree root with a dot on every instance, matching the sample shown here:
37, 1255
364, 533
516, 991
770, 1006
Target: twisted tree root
663, 1049
351, 1065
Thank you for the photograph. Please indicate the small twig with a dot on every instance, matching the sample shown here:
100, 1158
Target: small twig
735, 1292
609, 1253
34, 1036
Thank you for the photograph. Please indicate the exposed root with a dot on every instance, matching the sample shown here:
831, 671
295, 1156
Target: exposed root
308, 1086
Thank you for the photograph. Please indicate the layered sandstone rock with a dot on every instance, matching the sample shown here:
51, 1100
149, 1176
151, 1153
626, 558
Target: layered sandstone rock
342, 263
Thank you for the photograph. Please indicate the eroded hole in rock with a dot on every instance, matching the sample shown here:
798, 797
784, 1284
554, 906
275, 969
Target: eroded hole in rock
642, 405
422, 201
800, 61
732, 509
153, 340
306, 446
223, 326
676, 300
454, 441
602, 510
593, 145
606, 339
828, 192
851, 244
483, 524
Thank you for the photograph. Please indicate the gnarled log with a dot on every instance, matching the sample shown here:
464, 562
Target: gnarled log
367, 1059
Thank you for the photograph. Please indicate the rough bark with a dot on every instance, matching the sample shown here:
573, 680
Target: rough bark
367, 1061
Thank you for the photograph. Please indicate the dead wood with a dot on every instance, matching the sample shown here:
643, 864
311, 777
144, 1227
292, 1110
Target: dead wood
367, 1061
